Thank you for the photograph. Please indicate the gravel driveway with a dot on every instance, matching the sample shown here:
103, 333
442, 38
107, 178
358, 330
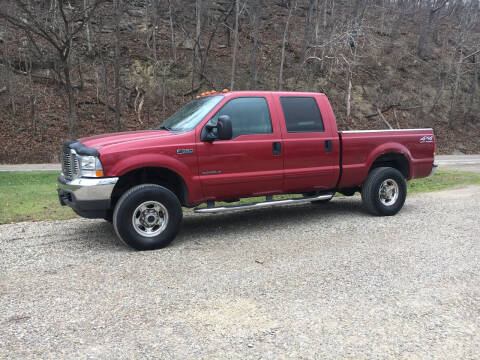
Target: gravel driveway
330, 282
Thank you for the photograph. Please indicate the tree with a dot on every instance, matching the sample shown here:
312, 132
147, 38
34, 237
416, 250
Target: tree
256, 27
434, 7
59, 35
118, 15
235, 43
284, 42
306, 35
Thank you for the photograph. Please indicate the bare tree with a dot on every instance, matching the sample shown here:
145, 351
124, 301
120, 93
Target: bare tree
87, 25
116, 62
306, 35
172, 33
235, 43
434, 6
59, 36
256, 27
284, 42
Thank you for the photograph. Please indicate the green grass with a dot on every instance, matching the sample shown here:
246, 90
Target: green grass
443, 179
32, 196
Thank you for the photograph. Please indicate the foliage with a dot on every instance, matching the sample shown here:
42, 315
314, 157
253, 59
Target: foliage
84, 67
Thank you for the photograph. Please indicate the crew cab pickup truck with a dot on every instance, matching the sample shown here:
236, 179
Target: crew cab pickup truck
223, 146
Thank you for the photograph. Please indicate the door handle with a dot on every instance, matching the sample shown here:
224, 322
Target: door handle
328, 145
277, 148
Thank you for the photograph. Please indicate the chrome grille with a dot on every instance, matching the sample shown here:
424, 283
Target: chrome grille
69, 163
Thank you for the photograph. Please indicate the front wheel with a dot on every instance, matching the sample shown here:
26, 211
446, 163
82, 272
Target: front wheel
147, 217
384, 191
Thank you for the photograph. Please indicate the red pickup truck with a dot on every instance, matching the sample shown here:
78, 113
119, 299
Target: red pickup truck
223, 146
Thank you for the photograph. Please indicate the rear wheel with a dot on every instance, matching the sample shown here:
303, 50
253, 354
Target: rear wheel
384, 191
147, 217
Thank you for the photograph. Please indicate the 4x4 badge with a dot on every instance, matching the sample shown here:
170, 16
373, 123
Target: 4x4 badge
426, 139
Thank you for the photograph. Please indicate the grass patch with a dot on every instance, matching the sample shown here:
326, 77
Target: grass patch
32, 195
442, 179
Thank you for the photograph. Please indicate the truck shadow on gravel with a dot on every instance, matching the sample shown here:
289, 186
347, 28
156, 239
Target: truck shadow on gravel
200, 226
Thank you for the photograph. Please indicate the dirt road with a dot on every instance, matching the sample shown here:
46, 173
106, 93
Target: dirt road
296, 282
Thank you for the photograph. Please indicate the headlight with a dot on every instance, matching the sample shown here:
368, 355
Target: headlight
90, 166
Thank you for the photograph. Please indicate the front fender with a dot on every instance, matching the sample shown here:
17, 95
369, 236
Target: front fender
143, 160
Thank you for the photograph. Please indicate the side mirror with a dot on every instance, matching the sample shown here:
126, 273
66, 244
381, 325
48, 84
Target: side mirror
224, 127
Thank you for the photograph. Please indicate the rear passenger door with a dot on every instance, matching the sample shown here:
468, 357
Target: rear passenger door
311, 157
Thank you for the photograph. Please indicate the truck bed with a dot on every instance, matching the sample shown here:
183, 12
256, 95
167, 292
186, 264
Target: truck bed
359, 149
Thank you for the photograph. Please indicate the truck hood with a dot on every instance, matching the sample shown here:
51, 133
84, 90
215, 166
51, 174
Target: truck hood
101, 141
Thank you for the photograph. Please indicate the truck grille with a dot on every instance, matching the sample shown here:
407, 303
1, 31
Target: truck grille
69, 163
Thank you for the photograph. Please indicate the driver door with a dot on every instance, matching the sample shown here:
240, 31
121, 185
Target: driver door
249, 164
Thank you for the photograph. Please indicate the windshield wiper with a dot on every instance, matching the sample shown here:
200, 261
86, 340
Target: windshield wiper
163, 127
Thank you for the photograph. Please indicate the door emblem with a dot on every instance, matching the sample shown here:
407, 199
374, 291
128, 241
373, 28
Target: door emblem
184, 151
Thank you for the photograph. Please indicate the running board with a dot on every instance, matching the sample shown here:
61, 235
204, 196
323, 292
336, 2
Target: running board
264, 204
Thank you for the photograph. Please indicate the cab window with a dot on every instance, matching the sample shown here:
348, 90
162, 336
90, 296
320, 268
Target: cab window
301, 114
249, 116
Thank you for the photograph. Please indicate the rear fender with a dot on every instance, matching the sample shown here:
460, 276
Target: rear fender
385, 149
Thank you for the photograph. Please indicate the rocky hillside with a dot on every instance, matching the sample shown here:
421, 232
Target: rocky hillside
72, 69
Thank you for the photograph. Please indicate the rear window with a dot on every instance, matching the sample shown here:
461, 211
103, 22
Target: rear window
301, 114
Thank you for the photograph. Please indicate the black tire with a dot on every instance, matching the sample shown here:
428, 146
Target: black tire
143, 200
384, 203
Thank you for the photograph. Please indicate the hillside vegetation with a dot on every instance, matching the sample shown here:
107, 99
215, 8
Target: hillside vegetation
70, 69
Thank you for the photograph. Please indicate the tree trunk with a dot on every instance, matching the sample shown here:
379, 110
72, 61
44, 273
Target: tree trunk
456, 85
32, 98
117, 5
306, 35
87, 26
235, 43
284, 42
325, 5
349, 93
253, 79
72, 113
172, 33
198, 28
105, 92
8, 77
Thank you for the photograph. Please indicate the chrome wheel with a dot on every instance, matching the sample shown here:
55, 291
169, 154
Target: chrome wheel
150, 218
388, 192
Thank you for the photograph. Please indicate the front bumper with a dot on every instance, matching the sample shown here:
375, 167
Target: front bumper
88, 197
434, 168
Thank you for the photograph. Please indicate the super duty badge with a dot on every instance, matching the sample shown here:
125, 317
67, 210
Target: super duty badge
184, 151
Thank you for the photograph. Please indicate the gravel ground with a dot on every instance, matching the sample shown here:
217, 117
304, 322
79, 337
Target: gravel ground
299, 282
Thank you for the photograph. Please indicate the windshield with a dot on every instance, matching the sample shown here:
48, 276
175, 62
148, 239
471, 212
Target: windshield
191, 114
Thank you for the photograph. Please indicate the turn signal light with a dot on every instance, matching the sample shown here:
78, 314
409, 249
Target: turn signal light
99, 173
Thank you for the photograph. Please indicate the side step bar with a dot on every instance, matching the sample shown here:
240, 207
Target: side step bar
263, 204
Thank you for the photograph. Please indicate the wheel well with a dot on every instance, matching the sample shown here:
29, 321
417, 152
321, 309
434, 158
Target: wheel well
151, 175
394, 160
